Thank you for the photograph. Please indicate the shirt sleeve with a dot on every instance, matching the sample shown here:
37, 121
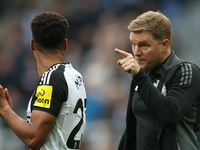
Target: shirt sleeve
128, 139
182, 93
51, 96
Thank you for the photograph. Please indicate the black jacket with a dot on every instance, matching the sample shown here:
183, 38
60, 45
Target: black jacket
174, 104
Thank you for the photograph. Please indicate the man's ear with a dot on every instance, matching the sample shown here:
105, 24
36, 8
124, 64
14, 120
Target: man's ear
32, 44
165, 44
65, 44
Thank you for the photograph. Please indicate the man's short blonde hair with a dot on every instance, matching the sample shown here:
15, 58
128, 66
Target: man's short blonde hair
155, 22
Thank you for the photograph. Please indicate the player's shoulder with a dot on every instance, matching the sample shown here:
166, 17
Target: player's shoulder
70, 72
54, 73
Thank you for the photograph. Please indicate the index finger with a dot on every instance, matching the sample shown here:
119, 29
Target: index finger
121, 52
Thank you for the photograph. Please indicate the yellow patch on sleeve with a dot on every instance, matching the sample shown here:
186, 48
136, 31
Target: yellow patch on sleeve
43, 94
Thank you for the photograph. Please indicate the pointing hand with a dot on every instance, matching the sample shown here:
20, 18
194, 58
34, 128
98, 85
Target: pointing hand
128, 63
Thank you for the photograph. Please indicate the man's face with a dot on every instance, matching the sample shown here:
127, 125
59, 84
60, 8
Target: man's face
147, 50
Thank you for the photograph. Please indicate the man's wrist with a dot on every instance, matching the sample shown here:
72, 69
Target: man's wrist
140, 76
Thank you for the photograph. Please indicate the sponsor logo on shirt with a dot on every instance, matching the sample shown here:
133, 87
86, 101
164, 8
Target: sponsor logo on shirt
43, 94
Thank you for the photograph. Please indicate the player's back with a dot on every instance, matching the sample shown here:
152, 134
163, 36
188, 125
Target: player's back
68, 129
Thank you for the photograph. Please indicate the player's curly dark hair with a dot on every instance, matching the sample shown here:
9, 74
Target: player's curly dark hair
49, 30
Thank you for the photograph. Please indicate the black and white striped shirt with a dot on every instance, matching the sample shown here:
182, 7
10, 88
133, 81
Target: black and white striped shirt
61, 92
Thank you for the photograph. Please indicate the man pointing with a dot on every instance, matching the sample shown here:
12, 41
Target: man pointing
164, 103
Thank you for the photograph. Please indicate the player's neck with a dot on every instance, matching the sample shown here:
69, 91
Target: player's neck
45, 61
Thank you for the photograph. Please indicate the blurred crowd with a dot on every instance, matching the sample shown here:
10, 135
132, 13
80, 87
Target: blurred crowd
97, 27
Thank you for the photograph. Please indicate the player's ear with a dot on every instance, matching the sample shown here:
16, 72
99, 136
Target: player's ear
65, 44
32, 45
165, 44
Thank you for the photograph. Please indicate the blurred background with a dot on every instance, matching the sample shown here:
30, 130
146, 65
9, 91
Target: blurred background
97, 27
